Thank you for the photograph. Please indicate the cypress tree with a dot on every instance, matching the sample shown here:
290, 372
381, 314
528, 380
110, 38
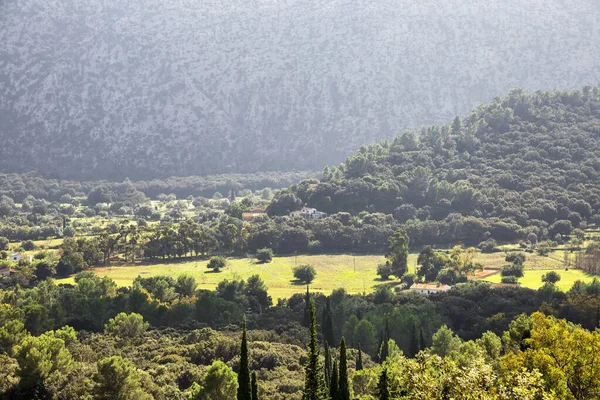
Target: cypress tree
306, 309
359, 362
344, 388
383, 391
384, 351
414, 341
334, 389
314, 385
384, 345
327, 326
244, 391
254, 386
328, 367
387, 330
422, 342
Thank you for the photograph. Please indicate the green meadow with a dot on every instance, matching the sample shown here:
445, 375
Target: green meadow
356, 274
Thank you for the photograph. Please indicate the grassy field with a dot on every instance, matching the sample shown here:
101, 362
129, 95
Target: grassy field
533, 260
533, 278
333, 271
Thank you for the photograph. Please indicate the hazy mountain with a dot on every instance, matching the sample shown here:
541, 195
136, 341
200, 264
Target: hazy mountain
97, 89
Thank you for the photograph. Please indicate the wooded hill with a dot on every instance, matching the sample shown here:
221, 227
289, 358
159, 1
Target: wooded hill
524, 163
150, 89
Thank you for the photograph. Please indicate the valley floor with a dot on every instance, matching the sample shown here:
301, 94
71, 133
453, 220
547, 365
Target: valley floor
356, 274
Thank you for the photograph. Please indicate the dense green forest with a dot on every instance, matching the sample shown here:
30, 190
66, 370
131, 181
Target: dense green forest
20, 186
161, 338
522, 164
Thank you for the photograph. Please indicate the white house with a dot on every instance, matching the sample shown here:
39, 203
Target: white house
429, 288
307, 212
16, 257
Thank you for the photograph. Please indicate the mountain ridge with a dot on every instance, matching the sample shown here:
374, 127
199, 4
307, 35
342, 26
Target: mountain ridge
153, 89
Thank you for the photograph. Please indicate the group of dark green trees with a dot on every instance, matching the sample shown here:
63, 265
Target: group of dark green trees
522, 164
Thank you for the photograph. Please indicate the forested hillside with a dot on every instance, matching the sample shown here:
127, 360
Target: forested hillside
150, 89
522, 164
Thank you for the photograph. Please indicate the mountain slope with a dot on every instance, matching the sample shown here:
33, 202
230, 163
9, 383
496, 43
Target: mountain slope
94, 89
524, 163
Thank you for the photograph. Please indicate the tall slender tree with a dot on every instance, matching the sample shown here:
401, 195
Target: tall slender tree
327, 326
343, 374
328, 364
414, 341
334, 383
314, 384
306, 308
422, 342
384, 349
383, 390
254, 386
359, 361
244, 391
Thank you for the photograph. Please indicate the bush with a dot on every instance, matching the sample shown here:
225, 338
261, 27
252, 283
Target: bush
69, 232
551, 277
384, 270
4, 242
28, 245
509, 279
447, 276
264, 255
305, 273
217, 263
409, 279
126, 325
544, 249
515, 258
513, 270
489, 246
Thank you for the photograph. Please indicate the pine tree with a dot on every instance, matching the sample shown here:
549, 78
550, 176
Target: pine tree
254, 386
414, 341
327, 326
314, 385
244, 391
359, 362
343, 374
422, 342
383, 391
334, 389
306, 308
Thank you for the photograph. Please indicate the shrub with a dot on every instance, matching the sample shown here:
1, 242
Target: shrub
551, 277
28, 245
447, 276
409, 279
489, 246
509, 279
515, 258
217, 263
513, 270
544, 249
305, 273
264, 255
4, 242
384, 270
126, 325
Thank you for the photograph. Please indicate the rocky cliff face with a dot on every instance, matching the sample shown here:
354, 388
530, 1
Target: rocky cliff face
107, 89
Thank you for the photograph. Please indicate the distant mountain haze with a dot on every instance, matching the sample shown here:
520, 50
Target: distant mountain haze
96, 89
